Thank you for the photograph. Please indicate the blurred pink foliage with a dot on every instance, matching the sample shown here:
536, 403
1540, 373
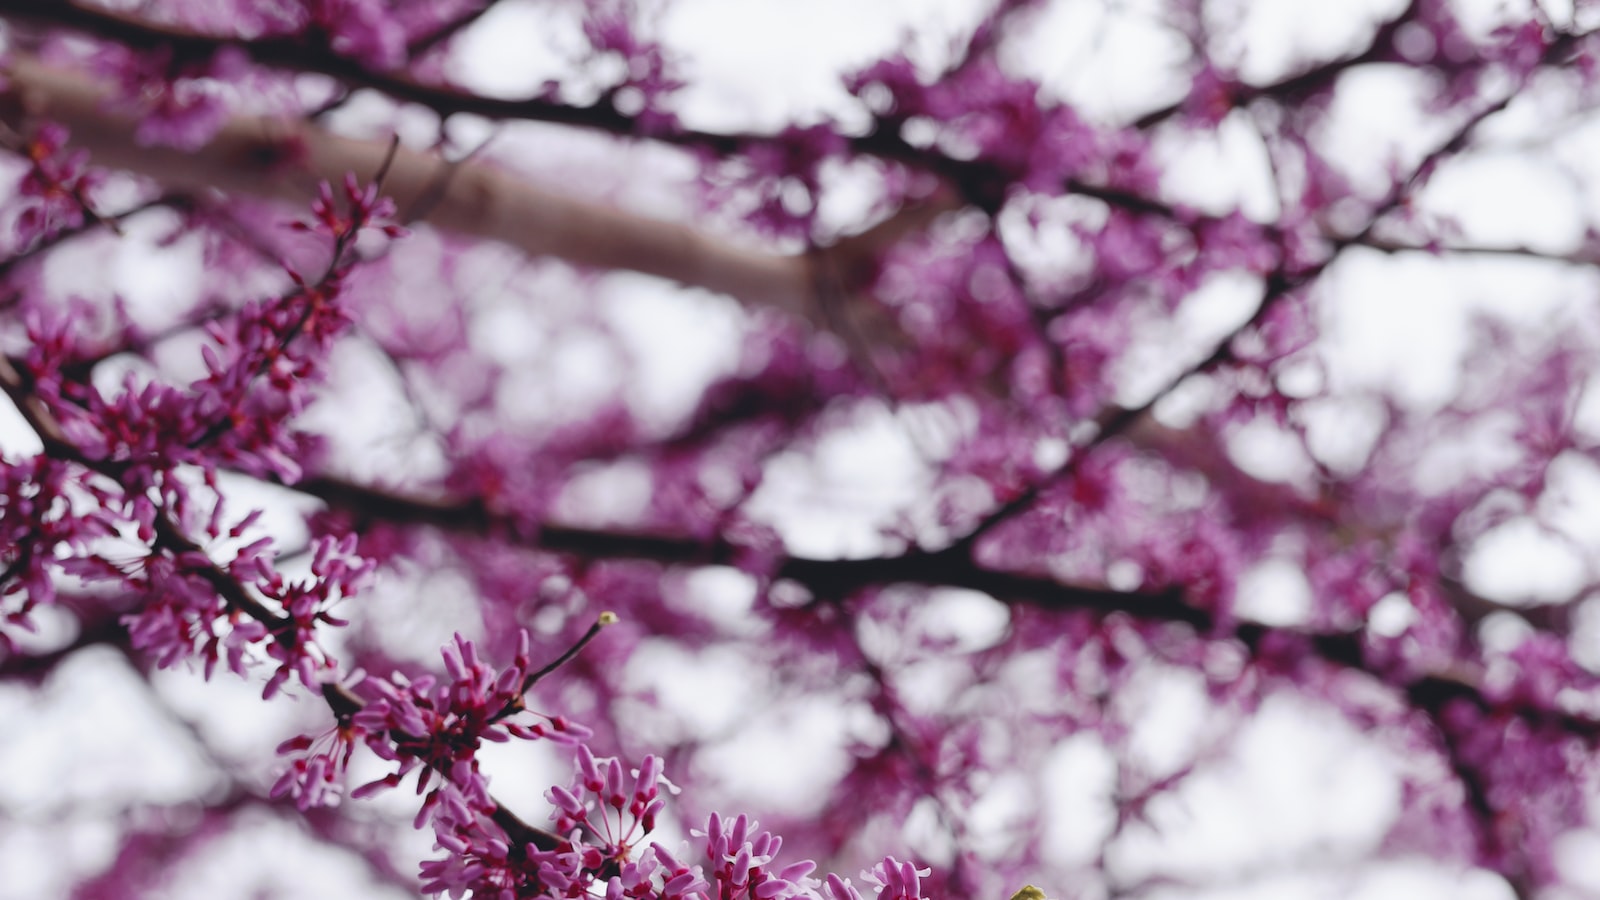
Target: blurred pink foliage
1114, 544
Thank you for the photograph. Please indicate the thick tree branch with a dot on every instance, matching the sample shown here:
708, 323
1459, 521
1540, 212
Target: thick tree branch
834, 578
299, 54
977, 180
282, 160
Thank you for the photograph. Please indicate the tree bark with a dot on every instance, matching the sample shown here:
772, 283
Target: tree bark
285, 160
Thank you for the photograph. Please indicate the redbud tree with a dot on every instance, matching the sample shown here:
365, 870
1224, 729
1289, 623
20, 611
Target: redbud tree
487, 449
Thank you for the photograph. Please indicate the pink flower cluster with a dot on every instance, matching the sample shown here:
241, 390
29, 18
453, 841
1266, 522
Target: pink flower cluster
431, 725
56, 186
606, 820
182, 102
602, 820
41, 531
147, 455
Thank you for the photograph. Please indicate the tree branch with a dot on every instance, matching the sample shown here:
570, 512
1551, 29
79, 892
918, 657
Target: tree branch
281, 160
949, 567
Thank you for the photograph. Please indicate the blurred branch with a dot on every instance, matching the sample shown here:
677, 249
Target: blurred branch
101, 628
823, 577
1307, 82
979, 181
1585, 255
295, 53
281, 160
448, 30
949, 567
90, 225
